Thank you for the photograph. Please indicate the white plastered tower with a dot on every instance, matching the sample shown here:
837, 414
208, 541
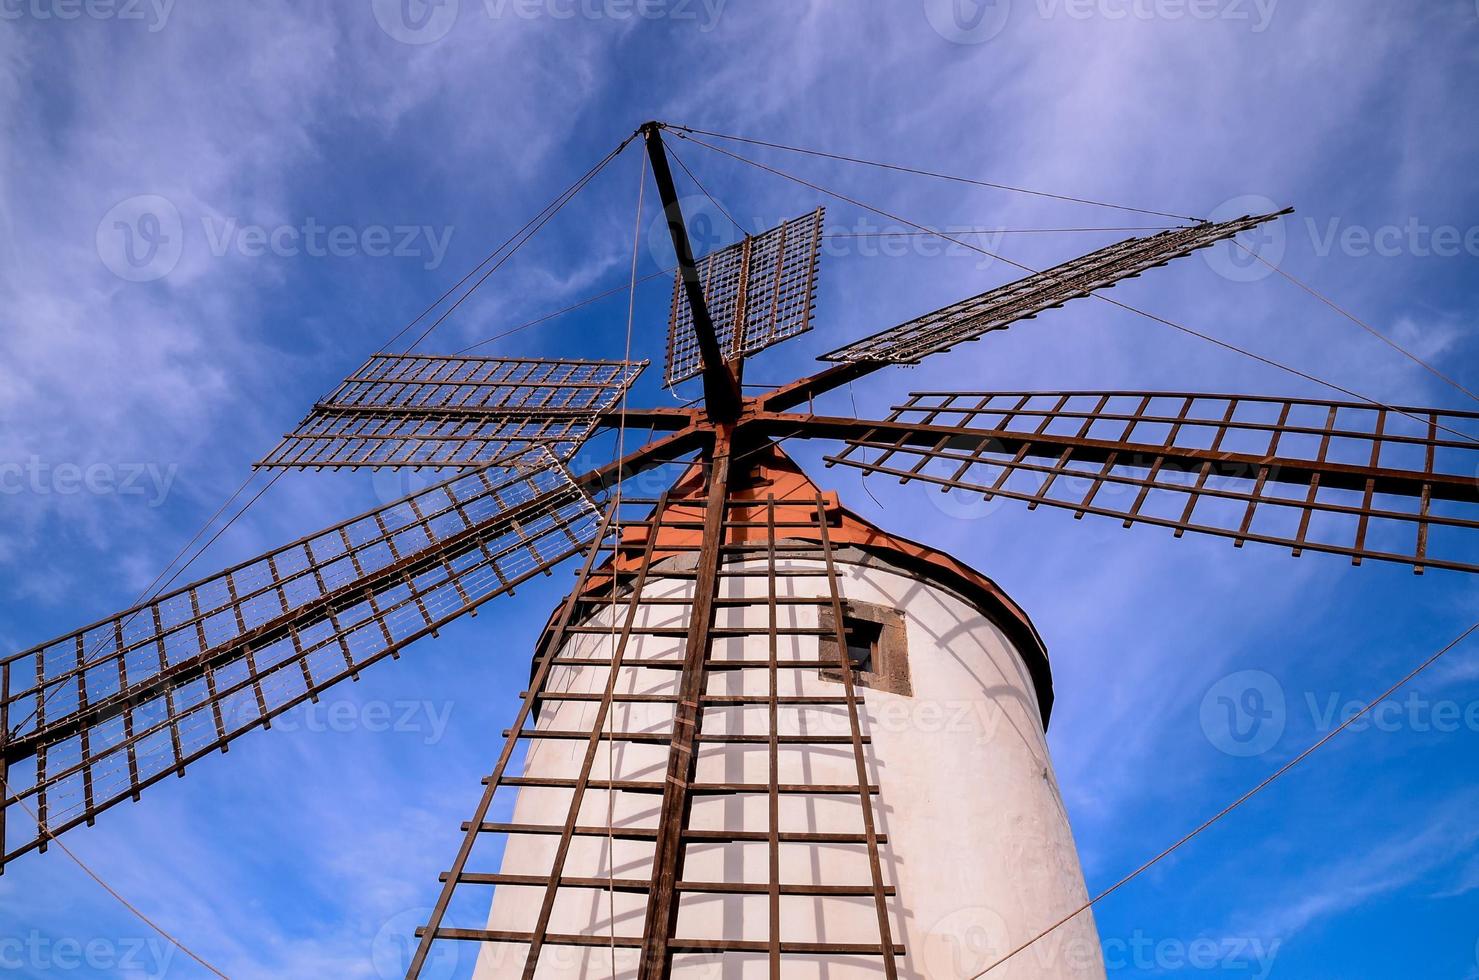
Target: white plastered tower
952, 690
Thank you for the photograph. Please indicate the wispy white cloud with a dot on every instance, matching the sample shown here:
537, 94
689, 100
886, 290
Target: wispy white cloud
234, 112
1440, 852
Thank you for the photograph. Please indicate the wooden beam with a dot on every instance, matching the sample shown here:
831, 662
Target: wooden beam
667, 861
722, 396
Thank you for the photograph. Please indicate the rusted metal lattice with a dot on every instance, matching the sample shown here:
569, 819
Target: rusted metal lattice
98, 715
728, 726
1386, 483
999, 308
418, 410
760, 291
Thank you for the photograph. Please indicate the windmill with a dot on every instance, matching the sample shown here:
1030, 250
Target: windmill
701, 773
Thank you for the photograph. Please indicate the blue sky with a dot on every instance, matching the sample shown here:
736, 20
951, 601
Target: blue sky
309, 849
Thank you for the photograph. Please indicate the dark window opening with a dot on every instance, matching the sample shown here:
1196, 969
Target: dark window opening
862, 638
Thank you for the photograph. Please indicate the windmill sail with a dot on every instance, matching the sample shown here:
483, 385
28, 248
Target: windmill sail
999, 308
760, 291
98, 715
1369, 482
420, 410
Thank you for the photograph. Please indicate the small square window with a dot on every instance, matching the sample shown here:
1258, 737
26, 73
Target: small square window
875, 643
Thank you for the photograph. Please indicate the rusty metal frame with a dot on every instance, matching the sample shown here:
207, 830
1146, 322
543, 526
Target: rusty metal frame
981, 441
192, 670
761, 290
999, 308
667, 871
844, 669
434, 411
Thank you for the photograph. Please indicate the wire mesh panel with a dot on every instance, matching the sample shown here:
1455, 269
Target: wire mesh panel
571, 861
1388, 483
999, 308
760, 291
95, 716
433, 411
